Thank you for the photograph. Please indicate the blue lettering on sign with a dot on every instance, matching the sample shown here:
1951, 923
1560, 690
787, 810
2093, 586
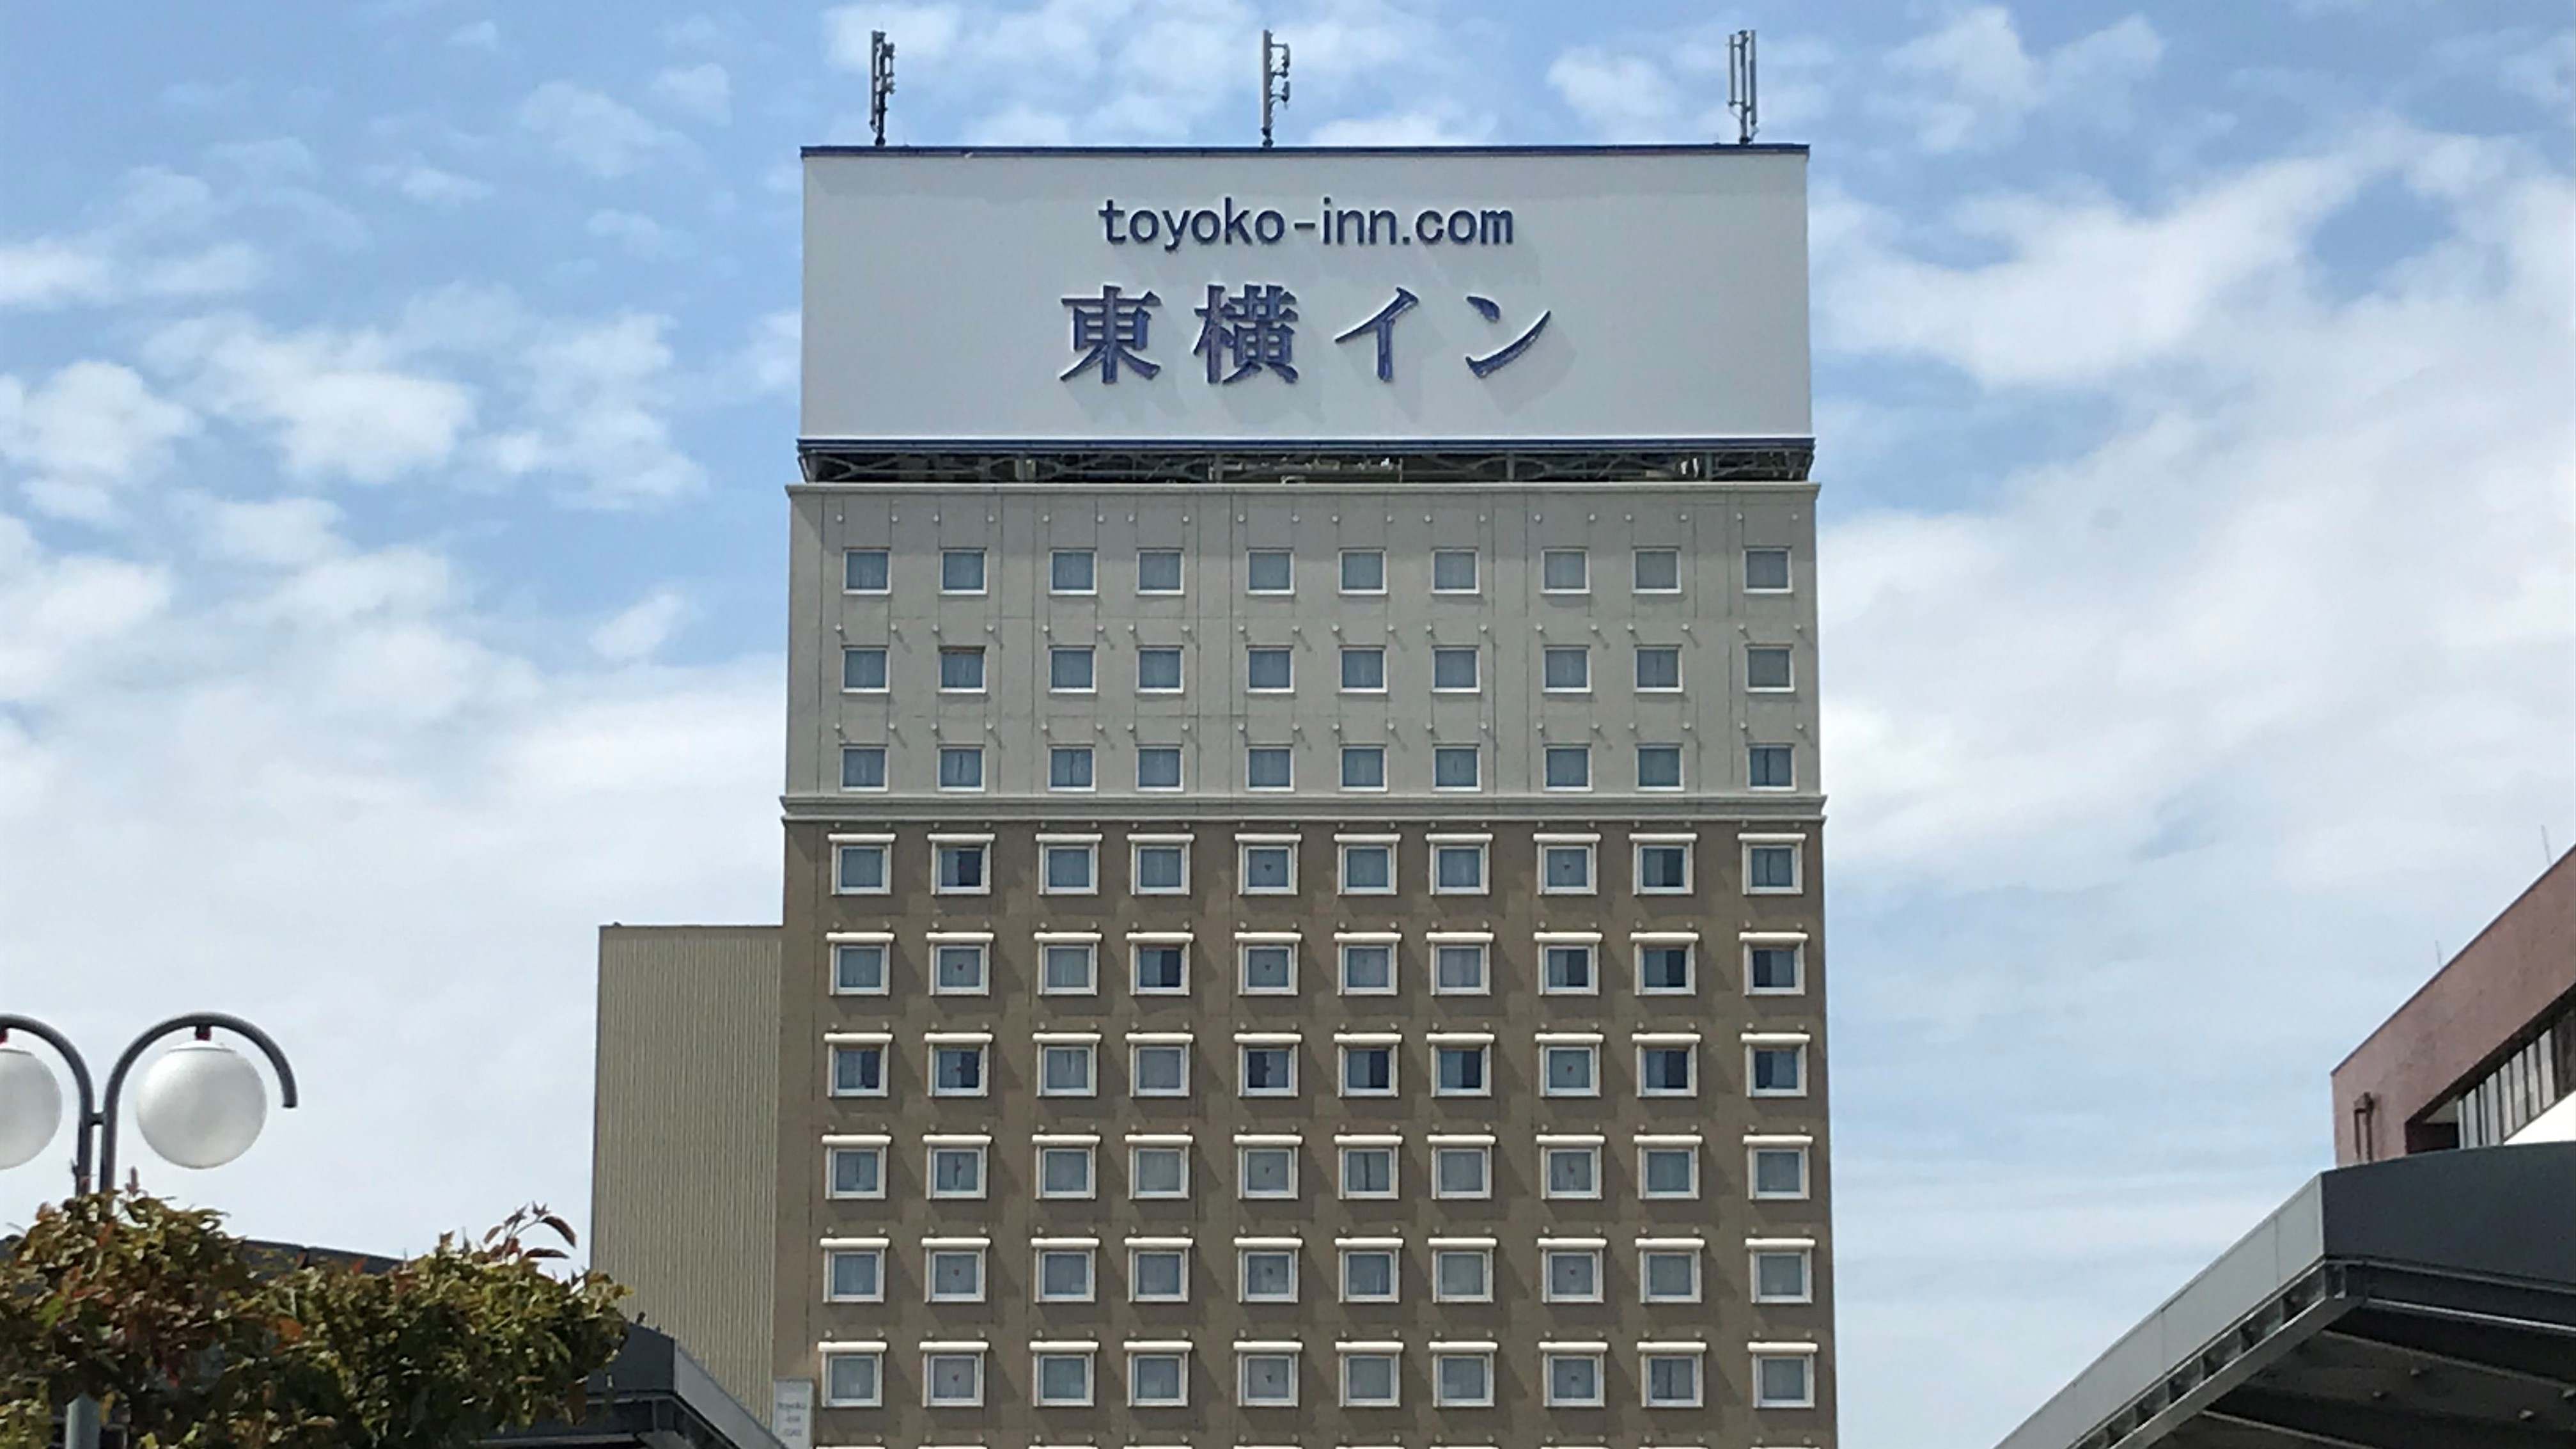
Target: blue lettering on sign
1227, 224
1251, 329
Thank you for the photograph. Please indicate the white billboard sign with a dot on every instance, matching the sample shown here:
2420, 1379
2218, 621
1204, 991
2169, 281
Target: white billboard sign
1125, 298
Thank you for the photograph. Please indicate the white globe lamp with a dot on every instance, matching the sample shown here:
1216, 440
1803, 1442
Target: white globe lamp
201, 1105
31, 1106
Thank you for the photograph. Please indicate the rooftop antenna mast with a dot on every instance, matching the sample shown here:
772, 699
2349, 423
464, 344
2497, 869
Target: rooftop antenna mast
1740, 87
1274, 81
880, 80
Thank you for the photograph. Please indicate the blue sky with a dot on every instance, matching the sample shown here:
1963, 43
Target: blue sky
394, 401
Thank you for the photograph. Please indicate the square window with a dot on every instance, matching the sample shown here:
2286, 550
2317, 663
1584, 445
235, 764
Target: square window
1364, 669
863, 571
1064, 1378
1663, 867
1368, 1275
863, 767
858, 1071
1574, 1381
1569, 767
1453, 571
1368, 870
854, 1275
961, 869
1659, 571
957, 1072
1565, 869
1266, 1275
1158, 570
1363, 571
1455, 669
952, 1380
961, 571
859, 969
1269, 969
1161, 868
1069, 767
1159, 1070
1766, 570
1463, 1380
1573, 1275
1069, 968
1672, 1380
854, 1172
1458, 970
1368, 969
961, 767
1779, 1172
1784, 1381
1367, 1071
1774, 970
1269, 571
1266, 1172
1066, 1171
1460, 1072
853, 1380
1158, 1172
1158, 1275
1458, 869
1462, 1275
1158, 670
1369, 1380
1771, 869
1777, 1071
1363, 767
1573, 1172
1064, 1275
961, 670
1072, 571
1666, 1275
1462, 1172
1659, 767
1668, 1172
1265, 767
957, 1275
1268, 1071
1564, 571
1664, 971
859, 870
957, 1172
1157, 1380
1781, 1275
1766, 666
863, 670
1568, 971
1454, 767
959, 970
1368, 1171
1570, 1071
1667, 1071
1069, 669
1267, 1380
1158, 767
1269, 870
1770, 767
1065, 1069
1269, 669
1162, 970
1070, 869
1567, 670
1659, 667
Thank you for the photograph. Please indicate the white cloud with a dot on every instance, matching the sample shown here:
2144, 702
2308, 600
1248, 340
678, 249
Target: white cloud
593, 396
80, 436
429, 185
773, 360
639, 631
151, 245
1621, 97
1426, 126
476, 35
51, 273
1972, 82
704, 90
337, 403
65, 614
638, 234
601, 135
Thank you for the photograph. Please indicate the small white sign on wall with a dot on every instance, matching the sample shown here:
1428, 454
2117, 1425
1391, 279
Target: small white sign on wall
791, 1412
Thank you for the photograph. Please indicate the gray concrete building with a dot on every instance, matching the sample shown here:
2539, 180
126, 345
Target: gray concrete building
1315, 944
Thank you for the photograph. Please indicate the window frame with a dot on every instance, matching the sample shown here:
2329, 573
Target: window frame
1586, 1043
1088, 943
1286, 1045
1179, 782
1284, 652
1180, 1357
1247, 943
1481, 943
871, 1146
1082, 1046
1638, 845
1789, 751
1475, 753
1174, 1248
885, 570
1802, 1251
978, 943
1788, 570
1388, 846
1668, 1042
835, 1043
1475, 572
1346, 654
1243, 1177
1649, 1144
835, 1249
1691, 1250
1475, 669
1595, 1250
1085, 846
980, 846
1138, 943
1180, 571
1252, 555
1386, 1042
1548, 1190
1583, 560
1177, 1145
1391, 1249
1351, 753
885, 668
1649, 1355
1244, 1358
1344, 1147
1136, 1077
1758, 1043
1548, 756
882, 846
983, 777
1787, 652
983, 572
1440, 1358
1680, 760
1245, 845
1443, 1146
977, 1249
1091, 566
983, 1053
884, 761
1137, 845
1547, 1360
1088, 1252
1244, 1253
1637, 571
1342, 574
1393, 1358
1480, 1045
983, 668
1642, 942
1550, 654
1479, 1248
1287, 753
1180, 672
1587, 847
930, 1377
1089, 655
875, 1357
1038, 1357
1345, 942
1549, 945
1794, 845
1481, 845
1804, 1355
1043, 1143
1090, 757
1795, 943
1798, 1148
882, 943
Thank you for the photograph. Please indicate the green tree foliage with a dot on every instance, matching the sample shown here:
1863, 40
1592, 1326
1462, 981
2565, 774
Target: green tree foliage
156, 1310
